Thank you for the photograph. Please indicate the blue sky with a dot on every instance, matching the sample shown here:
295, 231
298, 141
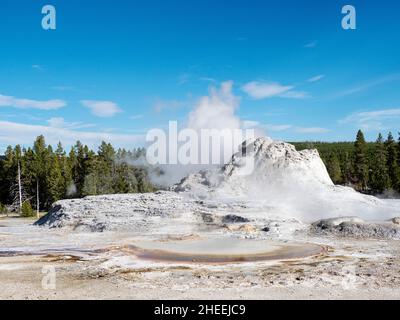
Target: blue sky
114, 69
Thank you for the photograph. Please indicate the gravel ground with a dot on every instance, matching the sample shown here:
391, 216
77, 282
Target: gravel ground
349, 269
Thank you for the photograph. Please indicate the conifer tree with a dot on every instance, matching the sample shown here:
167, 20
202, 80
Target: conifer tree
10, 169
30, 173
333, 167
360, 161
346, 167
41, 164
392, 164
380, 180
55, 181
398, 164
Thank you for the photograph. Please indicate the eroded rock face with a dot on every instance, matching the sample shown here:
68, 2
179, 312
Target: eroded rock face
334, 222
396, 220
231, 218
353, 227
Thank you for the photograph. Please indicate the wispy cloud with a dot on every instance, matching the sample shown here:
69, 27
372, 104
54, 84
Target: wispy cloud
23, 115
102, 109
9, 101
276, 113
38, 67
296, 129
374, 120
369, 84
59, 122
19, 133
63, 88
312, 44
277, 127
261, 90
311, 130
184, 78
295, 94
161, 105
136, 117
316, 78
208, 79
250, 124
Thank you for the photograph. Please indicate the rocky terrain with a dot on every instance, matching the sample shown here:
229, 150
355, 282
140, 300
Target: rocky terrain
352, 227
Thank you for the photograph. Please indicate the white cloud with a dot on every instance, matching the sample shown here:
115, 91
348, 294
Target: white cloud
184, 78
102, 109
374, 120
277, 127
262, 90
24, 134
295, 94
63, 88
316, 78
136, 117
56, 122
161, 105
285, 127
312, 44
250, 124
369, 84
37, 67
9, 101
59, 122
208, 79
276, 113
311, 130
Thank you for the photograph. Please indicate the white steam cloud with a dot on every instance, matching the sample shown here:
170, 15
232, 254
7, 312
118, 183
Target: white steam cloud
217, 111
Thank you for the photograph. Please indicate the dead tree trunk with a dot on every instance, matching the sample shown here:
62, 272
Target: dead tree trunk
19, 188
37, 198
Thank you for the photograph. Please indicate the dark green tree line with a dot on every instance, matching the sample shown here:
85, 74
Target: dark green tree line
48, 176
371, 167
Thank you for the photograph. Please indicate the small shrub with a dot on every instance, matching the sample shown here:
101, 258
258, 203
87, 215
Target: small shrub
26, 210
3, 209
